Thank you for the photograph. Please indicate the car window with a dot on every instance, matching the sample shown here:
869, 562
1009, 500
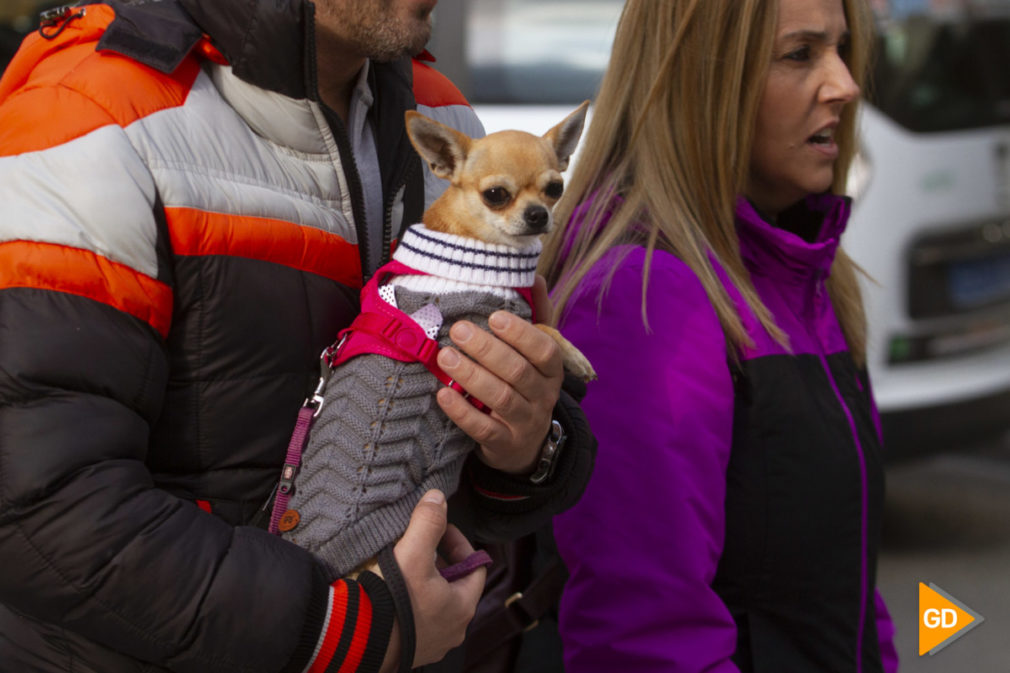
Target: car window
942, 66
538, 51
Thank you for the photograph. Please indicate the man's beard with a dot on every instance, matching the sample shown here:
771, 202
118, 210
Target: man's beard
382, 38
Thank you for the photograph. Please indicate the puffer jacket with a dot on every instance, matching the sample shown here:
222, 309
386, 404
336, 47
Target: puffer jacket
732, 521
181, 234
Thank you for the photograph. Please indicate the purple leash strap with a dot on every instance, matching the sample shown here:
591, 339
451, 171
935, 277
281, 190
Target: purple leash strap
299, 438
292, 461
459, 570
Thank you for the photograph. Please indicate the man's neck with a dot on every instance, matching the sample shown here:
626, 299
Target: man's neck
337, 74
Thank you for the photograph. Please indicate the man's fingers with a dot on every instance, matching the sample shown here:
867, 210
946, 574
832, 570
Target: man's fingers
502, 395
470, 587
426, 528
532, 344
517, 353
455, 547
482, 428
441, 609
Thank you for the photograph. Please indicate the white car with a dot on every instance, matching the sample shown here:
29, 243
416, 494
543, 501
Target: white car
931, 219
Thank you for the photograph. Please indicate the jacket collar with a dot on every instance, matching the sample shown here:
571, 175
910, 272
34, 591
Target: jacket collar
772, 251
269, 44
157, 34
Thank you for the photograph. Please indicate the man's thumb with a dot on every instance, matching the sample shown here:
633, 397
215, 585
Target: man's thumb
542, 306
427, 524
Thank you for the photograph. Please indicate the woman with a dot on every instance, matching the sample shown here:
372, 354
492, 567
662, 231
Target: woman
733, 518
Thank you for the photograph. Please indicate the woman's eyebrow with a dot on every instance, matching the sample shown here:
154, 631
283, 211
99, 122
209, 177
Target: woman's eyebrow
809, 35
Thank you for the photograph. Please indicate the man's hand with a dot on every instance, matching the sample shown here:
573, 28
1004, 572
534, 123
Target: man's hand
517, 372
442, 610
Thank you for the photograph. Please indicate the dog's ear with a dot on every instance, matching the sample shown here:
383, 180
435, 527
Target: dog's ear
565, 136
442, 147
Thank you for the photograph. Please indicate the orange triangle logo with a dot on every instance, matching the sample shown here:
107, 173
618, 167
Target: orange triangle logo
942, 619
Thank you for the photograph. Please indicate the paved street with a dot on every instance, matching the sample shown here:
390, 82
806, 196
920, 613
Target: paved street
947, 522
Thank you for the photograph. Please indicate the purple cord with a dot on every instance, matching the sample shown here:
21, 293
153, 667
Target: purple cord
466, 566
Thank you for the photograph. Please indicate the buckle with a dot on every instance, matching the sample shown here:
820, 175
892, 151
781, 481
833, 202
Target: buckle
512, 599
326, 359
286, 485
53, 21
50, 17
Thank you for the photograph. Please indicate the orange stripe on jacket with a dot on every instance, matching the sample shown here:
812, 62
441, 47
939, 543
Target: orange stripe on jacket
61, 89
434, 89
48, 266
198, 232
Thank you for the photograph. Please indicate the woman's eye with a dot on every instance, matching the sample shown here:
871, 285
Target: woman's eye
554, 189
801, 54
496, 196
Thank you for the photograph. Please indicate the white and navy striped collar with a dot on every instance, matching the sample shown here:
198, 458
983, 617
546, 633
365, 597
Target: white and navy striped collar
468, 260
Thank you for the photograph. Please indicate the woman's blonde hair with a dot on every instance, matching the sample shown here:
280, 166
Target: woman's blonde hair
671, 134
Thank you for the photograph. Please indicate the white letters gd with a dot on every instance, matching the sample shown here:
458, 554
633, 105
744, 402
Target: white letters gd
934, 618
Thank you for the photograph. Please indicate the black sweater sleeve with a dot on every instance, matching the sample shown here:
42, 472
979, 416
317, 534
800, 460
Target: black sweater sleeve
493, 506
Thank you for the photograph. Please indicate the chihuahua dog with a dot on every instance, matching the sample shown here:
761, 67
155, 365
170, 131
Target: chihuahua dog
379, 439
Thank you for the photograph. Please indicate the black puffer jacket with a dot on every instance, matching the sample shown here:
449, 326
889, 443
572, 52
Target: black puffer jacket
181, 234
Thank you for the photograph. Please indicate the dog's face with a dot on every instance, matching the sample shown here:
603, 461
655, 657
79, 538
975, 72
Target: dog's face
503, 186
510, 184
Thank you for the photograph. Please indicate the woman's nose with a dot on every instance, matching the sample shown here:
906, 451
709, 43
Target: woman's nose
839, 84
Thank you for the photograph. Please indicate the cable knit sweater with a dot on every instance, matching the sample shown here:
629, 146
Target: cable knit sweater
381, 440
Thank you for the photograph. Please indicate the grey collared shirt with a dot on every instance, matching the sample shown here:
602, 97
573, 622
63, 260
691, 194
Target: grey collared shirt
366, 158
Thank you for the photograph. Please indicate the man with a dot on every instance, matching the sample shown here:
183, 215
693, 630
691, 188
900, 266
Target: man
192, 193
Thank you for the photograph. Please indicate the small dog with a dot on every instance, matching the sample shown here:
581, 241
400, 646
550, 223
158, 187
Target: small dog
502, 189
380, 440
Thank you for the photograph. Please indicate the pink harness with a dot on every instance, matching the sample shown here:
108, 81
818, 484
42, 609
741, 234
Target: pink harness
380, 329
383, 329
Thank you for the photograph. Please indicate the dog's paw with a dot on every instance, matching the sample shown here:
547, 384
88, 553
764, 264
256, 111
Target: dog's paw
571, 357
576, 363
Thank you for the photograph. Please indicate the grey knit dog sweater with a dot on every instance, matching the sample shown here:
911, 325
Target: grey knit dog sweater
381, 440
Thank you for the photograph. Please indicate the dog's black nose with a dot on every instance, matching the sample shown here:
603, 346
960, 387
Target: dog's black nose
537, 218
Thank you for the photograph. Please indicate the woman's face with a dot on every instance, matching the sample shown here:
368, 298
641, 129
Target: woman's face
808, 85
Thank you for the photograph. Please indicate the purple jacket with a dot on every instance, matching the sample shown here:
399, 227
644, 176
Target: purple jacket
733, 516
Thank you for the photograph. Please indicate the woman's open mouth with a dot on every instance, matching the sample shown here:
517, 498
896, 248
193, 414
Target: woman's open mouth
824, 137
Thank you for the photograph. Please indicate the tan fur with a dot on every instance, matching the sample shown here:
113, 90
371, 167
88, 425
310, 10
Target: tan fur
524, 165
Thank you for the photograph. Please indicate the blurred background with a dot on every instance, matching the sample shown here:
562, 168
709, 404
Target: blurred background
18, 18
931, 227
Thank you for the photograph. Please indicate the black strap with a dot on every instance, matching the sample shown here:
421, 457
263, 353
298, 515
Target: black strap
520, 612
401, 601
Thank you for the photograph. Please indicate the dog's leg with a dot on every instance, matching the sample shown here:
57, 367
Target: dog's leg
573, 359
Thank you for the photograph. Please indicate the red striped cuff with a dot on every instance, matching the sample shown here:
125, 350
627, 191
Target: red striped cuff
355, 630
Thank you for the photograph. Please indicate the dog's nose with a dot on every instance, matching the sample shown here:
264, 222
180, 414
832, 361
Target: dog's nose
537, 218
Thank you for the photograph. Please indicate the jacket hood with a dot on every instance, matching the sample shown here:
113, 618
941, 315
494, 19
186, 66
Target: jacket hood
774, 251
270, 44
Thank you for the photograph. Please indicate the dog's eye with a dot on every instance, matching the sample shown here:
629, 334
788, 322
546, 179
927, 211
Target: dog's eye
554, 189
496, 196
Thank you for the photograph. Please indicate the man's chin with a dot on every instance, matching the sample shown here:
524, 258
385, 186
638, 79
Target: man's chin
388, 57
421, 40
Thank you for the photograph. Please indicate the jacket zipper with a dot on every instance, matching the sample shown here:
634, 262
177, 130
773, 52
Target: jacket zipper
864, 486
339, 131
350, 168
387, 212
